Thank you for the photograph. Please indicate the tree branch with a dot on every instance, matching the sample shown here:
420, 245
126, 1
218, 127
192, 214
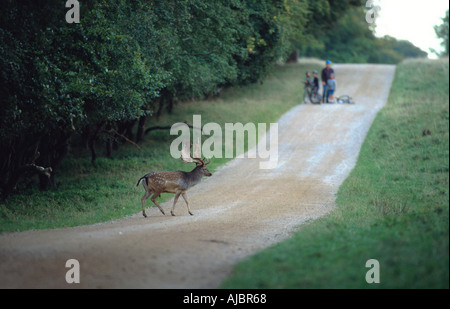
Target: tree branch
39, 169
169, 127
124, 137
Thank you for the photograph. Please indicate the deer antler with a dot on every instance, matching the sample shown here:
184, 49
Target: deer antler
186, 156
197, 153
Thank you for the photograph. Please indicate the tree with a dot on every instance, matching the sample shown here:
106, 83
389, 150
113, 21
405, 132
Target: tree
442, 33
351, 39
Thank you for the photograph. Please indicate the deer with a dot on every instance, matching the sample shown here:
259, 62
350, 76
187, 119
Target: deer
177, 182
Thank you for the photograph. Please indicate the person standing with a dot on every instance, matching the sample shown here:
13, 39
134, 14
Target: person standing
315, 81
326, 72
331, 88
315, 84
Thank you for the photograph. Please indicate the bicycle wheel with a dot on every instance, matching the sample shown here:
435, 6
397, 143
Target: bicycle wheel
315, 98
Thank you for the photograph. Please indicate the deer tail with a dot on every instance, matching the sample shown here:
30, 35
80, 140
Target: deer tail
140, 180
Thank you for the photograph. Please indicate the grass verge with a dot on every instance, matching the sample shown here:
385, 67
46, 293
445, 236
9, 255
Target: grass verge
393, 207
87, 193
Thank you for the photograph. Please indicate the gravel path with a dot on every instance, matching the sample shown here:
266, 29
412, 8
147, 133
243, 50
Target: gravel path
241, 209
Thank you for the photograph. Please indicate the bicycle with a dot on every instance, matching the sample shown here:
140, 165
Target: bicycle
312, 95
344, 99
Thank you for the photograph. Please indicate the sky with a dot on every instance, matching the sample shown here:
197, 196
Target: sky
411, 20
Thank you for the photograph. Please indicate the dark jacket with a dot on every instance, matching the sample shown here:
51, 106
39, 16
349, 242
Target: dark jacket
316, 82
326, 74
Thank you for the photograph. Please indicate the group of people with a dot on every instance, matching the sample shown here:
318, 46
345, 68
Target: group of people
328, 82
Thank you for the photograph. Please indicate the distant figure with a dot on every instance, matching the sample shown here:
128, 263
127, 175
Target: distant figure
326, 72
331, 88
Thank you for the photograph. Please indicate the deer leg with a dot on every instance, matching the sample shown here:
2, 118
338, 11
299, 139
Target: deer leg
174, 203
156, 203
187, 203
143, 199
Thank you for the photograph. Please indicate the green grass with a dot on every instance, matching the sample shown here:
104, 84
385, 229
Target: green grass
87, 193
393, 207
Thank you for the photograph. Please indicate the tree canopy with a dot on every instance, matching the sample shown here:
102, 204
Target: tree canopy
351, 40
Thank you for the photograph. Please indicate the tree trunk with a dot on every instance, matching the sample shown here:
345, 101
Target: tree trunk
170, 105
91, 144
108, 142
141, 129
160, 106
129, 129
293, 57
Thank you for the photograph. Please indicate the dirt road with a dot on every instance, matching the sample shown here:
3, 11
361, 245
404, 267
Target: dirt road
238, 211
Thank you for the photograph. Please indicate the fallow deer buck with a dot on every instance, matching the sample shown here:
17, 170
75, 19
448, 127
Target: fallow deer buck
177, 182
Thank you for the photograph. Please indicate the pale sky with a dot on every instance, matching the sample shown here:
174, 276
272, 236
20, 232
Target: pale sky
411, 20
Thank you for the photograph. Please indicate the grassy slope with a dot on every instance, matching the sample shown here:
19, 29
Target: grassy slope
393, 207
87, 193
